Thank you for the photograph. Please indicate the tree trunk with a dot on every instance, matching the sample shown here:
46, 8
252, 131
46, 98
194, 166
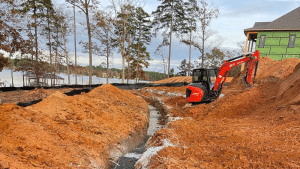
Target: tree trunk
171, 30
107, 55
66, 54
36, 47
190, 53
202, 49
138, 56
203, 31
55, 62
123, 66
128, 58
49, 38
12, 74
90, 41
76, 71
123, 52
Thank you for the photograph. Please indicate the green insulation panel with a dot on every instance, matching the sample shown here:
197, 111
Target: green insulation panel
265, 50
268, 34
297, 41
296, 33
275, 57
276, 44
294, 50
263, 55
284, 41
281, 34
290, 56
278, 50
257, 41
272, 41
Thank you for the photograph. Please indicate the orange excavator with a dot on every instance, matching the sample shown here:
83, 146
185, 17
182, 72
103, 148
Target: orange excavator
208, 82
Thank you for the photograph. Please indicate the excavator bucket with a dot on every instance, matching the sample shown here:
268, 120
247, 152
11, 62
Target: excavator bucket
244, 79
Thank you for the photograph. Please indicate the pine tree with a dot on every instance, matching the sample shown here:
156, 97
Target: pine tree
190, 9
184, 67
143, 35
50, 18
103, 34
168, 16
86, 6
37, 8
205, 14
142, 61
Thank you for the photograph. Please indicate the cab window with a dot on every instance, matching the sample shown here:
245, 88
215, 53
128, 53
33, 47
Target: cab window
199, 75
212, 75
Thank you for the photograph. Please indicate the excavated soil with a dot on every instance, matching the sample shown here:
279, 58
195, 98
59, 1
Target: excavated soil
254, 127
28, 95
180, 90
69, 131
187, 79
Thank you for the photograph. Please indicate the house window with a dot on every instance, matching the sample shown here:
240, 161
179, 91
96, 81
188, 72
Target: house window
262, 41
292, 41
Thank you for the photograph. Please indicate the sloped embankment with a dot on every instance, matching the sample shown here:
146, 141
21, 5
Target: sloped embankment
79, 131
255, 128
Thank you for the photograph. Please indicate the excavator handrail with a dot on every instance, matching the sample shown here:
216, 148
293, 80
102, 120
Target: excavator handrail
228, 64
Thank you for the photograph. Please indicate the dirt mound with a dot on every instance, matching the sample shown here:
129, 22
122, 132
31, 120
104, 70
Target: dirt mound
254, 128
268, 69
180, 90
176, 101
187, 79
279, 68
69, 131
25, 95
289, 90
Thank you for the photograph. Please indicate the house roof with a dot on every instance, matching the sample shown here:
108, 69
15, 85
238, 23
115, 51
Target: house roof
289, 21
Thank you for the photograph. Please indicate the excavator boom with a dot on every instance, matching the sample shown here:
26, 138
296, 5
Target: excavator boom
252, 60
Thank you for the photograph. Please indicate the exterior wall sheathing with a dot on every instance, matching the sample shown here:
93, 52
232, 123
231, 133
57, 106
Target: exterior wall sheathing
276, 45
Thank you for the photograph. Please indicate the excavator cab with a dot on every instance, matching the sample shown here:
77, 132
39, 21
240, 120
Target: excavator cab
206, 76
203, 79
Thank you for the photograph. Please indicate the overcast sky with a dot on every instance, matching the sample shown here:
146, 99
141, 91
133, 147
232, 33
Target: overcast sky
234, 17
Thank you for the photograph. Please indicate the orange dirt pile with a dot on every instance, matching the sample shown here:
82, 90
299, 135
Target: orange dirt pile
187, 79
267, 68
254, 128
25, 95
176, 101
180, 90
69, 131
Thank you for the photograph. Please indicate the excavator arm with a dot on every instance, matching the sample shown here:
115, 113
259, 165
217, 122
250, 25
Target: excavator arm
252, 60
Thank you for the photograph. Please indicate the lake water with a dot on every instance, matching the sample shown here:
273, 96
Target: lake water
5, 77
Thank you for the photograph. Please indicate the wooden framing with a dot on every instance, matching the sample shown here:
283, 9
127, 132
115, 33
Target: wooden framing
248, 47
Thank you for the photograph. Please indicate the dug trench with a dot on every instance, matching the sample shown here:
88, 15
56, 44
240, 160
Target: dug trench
128, 160
157, 120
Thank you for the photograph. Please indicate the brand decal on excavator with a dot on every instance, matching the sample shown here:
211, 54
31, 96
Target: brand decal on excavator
220, 76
